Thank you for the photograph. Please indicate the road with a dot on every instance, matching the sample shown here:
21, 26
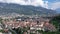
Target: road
10, 29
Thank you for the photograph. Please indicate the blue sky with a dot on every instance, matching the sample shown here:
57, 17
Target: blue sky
52, 0
53, 4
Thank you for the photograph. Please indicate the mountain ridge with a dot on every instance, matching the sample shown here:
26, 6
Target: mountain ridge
24, 9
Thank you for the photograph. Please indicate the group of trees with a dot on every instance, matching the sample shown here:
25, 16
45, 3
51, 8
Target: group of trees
56, 22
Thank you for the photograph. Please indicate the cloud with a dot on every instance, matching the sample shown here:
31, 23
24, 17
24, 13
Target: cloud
55, 5
49, 5
28, 2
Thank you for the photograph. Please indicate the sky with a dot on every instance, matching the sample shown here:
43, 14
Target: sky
49, 4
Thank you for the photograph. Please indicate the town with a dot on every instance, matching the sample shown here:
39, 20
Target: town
29, 16
27, 25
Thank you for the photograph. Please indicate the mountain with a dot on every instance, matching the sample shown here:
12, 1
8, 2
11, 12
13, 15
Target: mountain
6, 8
58, 10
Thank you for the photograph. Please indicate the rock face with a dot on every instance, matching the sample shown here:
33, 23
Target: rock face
6, 8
